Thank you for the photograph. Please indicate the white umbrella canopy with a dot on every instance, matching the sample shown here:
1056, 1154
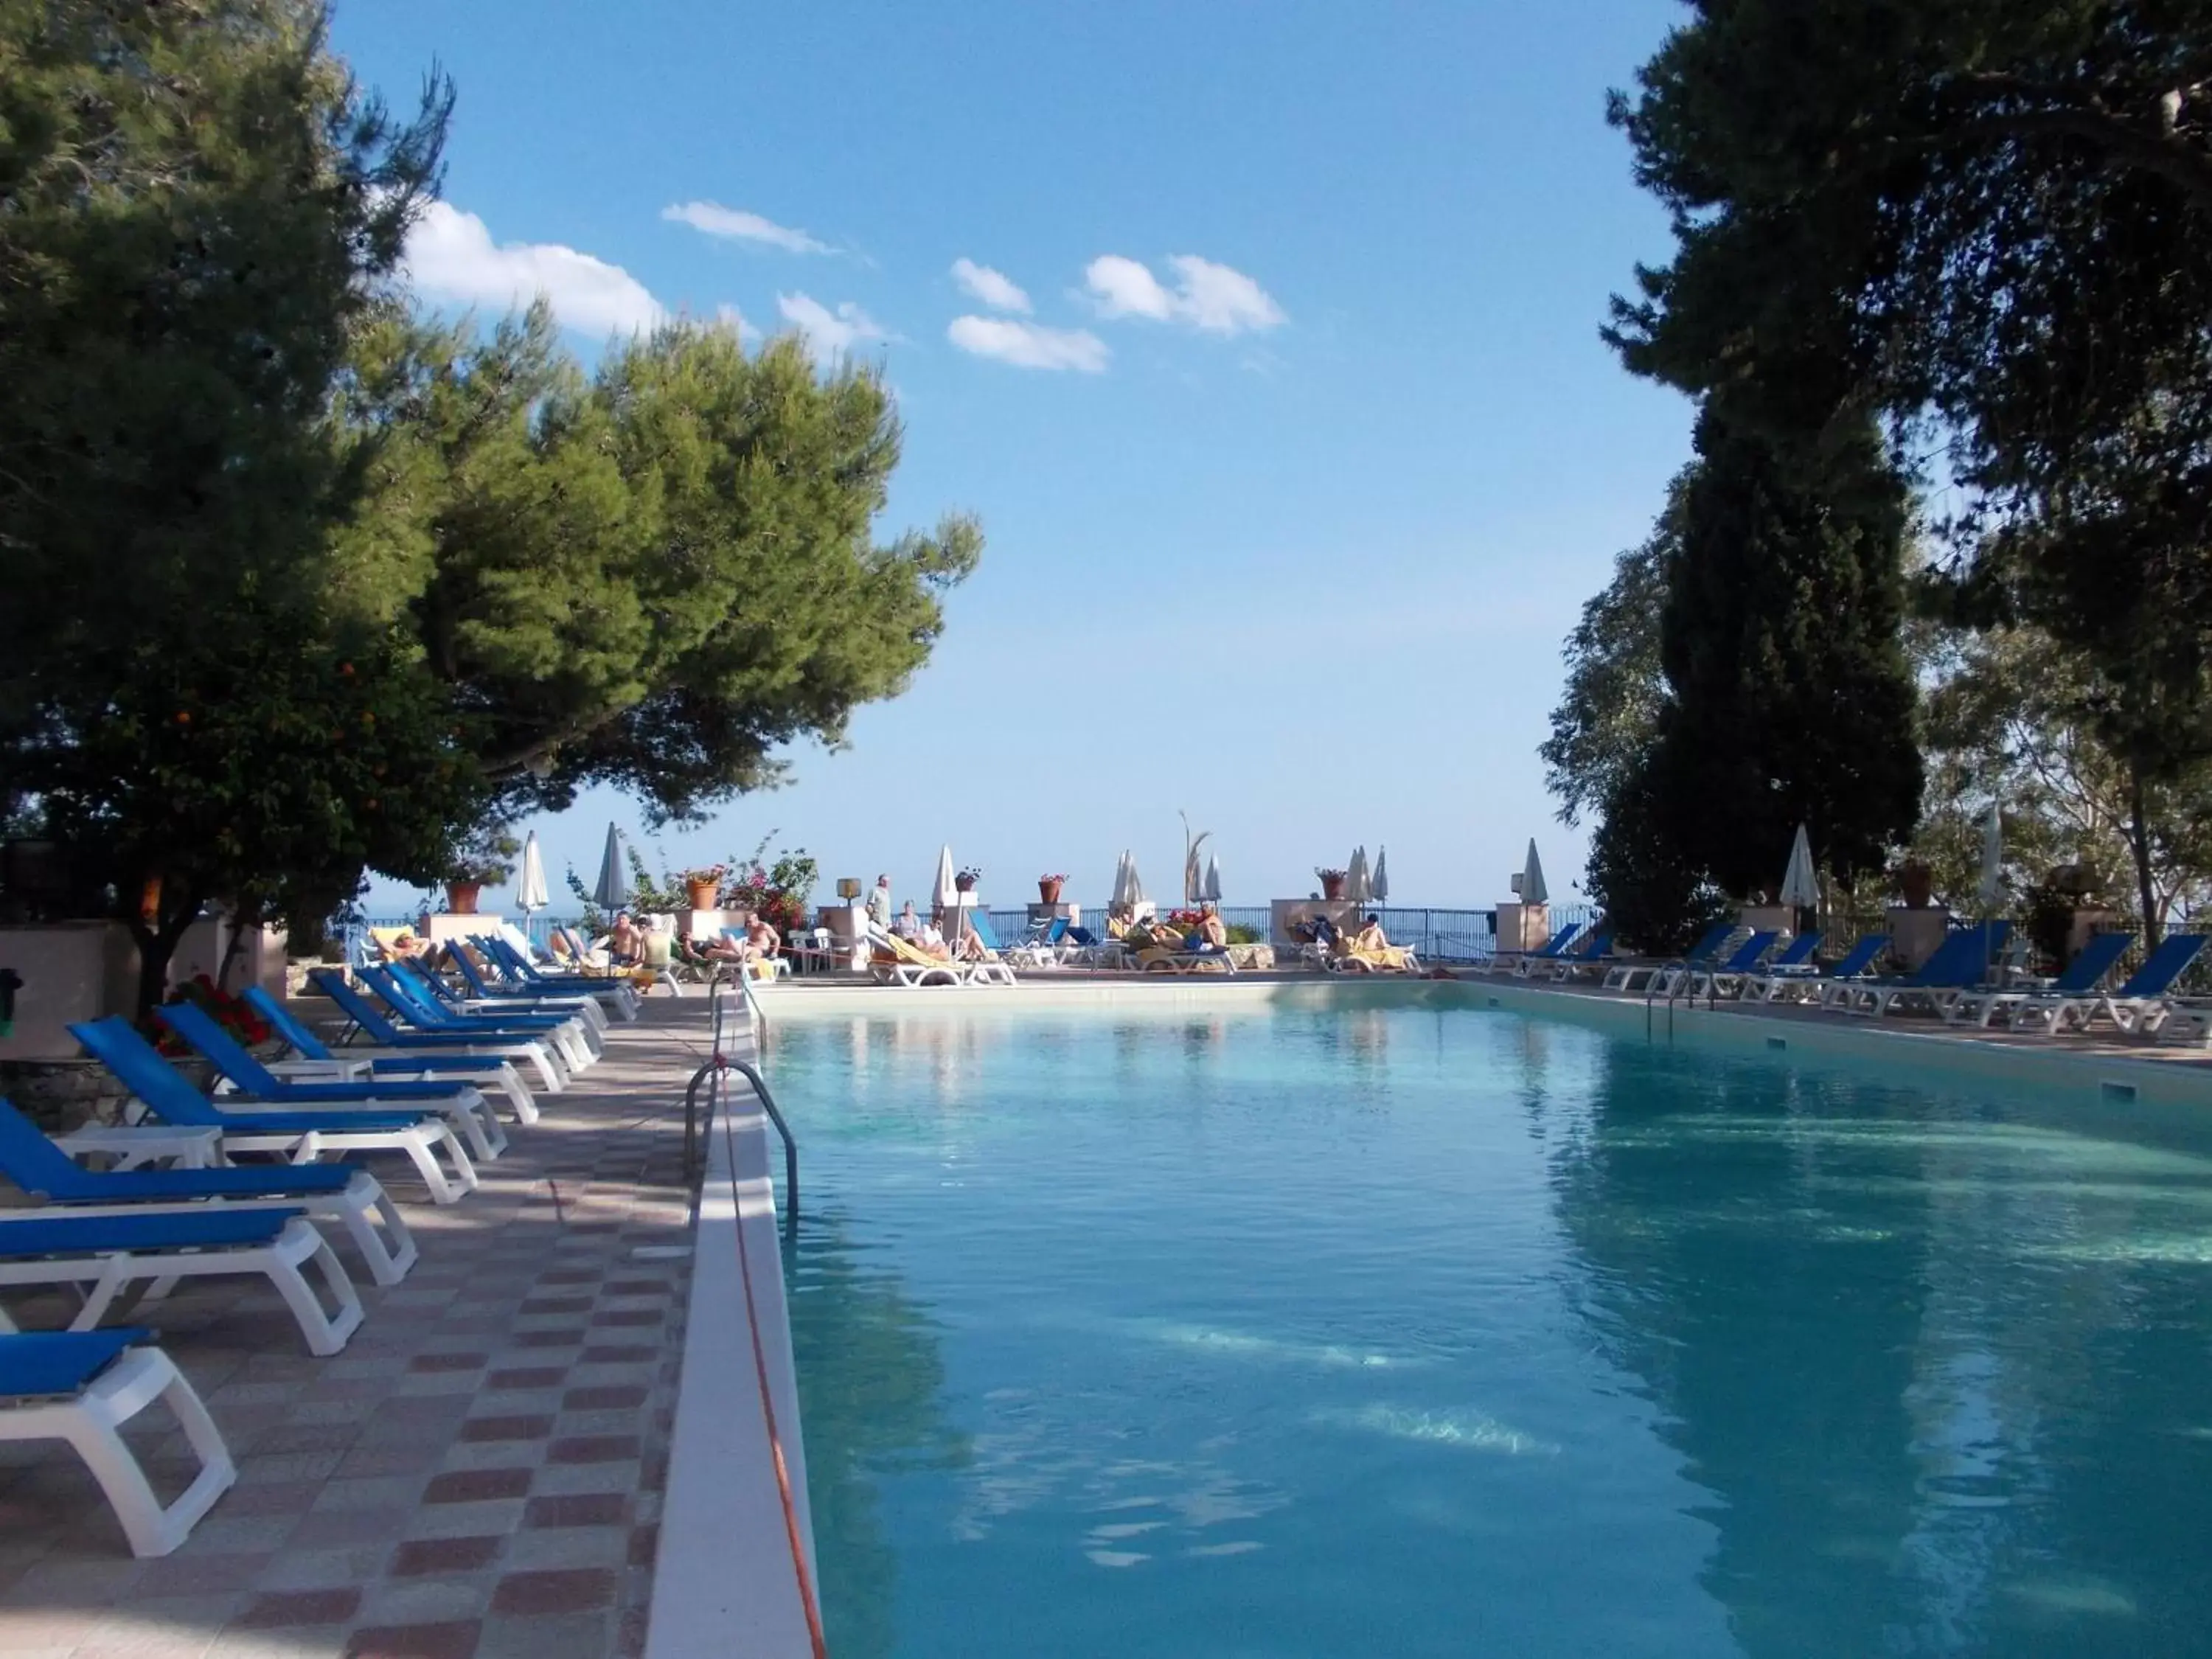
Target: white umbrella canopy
1533, 890
1355, 877
1378, 885
1135, 895
946, 895
612, 893
1990, 890
531, 894
1801, 885
1212, 892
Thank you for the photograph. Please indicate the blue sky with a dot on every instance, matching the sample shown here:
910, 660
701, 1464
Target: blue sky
1327, 452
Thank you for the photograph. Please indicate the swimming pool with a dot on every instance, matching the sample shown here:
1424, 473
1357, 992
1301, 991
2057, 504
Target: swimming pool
1444, 1331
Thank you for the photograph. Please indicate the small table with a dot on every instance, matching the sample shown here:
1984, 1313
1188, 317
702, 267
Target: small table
133, 1147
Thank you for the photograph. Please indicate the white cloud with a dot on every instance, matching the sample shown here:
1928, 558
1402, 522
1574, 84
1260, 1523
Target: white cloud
730, 317
1214, 298
832, 334
738, 226
994, 288
1028, 345
451, 256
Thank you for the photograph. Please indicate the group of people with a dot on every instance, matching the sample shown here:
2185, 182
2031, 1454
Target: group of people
760, 942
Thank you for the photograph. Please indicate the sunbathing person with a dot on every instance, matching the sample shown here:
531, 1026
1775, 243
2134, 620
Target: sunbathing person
1210, 935
625, 941
762, 943
1369, 950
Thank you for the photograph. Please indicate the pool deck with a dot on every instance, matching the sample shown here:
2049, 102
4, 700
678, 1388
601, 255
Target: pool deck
479, 1476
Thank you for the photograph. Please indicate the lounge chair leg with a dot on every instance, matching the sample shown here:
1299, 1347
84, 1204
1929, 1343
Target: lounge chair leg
379, 1231
325, 1333
518, 1096
93, 1424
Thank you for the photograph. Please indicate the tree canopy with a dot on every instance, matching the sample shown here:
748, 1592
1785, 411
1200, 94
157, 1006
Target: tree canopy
301, 583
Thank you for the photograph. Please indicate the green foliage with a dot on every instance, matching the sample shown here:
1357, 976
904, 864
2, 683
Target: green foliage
652, 578
1607, 712
1238, 933
1654, 893
1791, 700
1991, 219
487, 856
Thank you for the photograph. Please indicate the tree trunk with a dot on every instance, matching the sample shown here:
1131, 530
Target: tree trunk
2139, 845
157, 948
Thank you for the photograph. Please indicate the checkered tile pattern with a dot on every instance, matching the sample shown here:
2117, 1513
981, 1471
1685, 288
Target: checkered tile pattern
479, 1474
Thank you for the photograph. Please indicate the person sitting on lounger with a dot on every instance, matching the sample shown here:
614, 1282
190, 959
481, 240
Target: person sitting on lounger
929, 939
1370, 948
762, 943
1210, 935
909, 925
625, 941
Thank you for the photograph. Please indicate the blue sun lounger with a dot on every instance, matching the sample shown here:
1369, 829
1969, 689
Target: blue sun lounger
2140, 1007
1519, 962
462, 1105
82, 1387
353, 1198
390, 1039
300, 1137
1957, 963
409, 996
313, 1059
1638, 975
1706, 981
522, 1000
2083, 977
100, 1256
613, 995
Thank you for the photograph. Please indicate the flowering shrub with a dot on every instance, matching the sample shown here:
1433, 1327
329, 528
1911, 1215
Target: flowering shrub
754, 890
716, 873
233, 1012
1185, 918
1062, 880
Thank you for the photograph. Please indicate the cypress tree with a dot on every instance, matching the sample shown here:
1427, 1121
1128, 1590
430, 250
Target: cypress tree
1791, 699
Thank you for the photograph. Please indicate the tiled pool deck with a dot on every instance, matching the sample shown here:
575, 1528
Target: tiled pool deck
478, 1474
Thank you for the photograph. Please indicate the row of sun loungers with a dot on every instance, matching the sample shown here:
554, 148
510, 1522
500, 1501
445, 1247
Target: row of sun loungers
437, 1063
1957, 983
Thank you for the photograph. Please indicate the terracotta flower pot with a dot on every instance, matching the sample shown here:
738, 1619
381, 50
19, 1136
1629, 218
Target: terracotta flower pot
1331, 887
964, 884
703, 894
1917, 883
461, 897
1048, 891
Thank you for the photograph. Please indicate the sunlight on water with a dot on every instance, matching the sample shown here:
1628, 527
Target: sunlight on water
1419, 1332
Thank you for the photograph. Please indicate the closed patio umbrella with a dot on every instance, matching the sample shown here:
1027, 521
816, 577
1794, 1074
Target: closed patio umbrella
529, 895
1136, 893
1212, 893
1533, 890
612, 894
1355, 877
1801, 884
1378, 885
946, 895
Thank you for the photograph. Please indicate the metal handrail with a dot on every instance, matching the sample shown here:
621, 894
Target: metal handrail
718, 1065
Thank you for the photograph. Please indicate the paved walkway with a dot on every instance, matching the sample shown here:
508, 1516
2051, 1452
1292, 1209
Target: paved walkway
480, 1472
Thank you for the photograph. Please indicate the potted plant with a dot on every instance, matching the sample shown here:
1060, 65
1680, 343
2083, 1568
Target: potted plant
705, 886
485, 859
1049, 888
1916, 881
965, 880
1332, 883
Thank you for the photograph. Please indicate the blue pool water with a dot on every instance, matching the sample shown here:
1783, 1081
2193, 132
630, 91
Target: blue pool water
1423, 1332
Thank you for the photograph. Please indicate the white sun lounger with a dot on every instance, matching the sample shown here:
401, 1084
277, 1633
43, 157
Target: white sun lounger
82, 1387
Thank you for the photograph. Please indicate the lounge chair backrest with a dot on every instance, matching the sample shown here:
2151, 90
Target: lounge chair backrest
2163, 966
2095, 960
428, 988
197, 1027
403, 998
1558, 942
1715, 937
35, 1164
1594, 945
985, 934
353, 1006
1860, 956
1748, 953
1795, 953
303, 1042
1082, 936
464, 964
139, 1067
1057, 931
1962, 957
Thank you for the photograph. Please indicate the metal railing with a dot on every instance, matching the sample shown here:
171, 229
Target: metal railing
713, 1076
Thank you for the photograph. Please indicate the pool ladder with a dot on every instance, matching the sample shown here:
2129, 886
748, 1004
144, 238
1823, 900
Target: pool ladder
1678, 974
713, 1076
